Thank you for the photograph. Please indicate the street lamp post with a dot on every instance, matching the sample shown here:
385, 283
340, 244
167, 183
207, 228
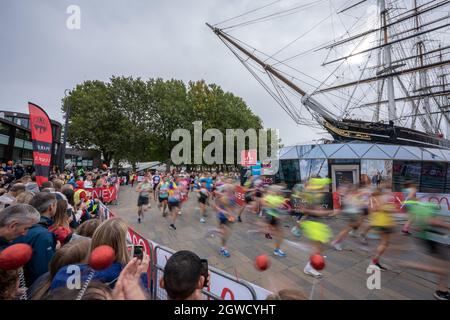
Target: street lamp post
66, 126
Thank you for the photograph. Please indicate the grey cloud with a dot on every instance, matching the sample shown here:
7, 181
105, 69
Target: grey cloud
40, 57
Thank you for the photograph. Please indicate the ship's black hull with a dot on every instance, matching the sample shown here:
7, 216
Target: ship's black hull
350, 130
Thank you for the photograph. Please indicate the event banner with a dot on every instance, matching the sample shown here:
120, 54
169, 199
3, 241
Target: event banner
41, 135
107, 194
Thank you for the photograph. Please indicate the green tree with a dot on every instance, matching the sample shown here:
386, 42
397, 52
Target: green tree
93, 121
132, 99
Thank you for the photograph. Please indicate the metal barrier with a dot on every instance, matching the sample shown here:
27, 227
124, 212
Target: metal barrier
221, 283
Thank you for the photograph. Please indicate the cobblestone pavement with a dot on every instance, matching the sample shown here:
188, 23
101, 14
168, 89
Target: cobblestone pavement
344, 277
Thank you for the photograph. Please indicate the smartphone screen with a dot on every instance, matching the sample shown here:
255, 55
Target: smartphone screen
205, 272
138, 252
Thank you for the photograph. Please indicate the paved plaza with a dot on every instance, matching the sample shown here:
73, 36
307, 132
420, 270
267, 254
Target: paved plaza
344, 276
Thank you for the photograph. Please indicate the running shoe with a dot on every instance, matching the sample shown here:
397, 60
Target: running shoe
279, 253
239, 219
139, 220
353, 234
441, 295
224, 252
179, 213
268, 236
363, 240
309, 270
379, 266
202, 220
406, 232
336, 245
172, 226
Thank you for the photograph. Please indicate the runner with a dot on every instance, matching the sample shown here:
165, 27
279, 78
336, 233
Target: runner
202, 200
317, 232
410, 195
272, 204
144, 188
174, 202
382, 222
156, 179
248, 197
352, 210
223, 205
163, 191
432, 233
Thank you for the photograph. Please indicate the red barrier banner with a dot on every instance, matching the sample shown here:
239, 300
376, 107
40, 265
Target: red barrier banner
108, 194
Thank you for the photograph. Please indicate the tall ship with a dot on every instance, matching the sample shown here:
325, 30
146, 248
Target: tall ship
366, 70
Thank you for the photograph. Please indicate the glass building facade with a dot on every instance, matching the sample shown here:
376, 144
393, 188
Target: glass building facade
390, 165
15, 138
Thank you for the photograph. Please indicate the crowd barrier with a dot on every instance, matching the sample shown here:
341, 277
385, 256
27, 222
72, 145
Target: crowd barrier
106, 194
222, 286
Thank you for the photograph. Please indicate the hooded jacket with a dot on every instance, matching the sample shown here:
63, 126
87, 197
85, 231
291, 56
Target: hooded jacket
108, 276
43, 243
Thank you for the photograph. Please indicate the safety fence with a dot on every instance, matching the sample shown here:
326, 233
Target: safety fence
222, 286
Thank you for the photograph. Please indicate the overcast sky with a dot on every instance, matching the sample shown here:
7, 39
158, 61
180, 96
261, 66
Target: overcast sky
40, 57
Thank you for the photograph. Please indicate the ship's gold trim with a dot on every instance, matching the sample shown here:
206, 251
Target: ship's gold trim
347, 133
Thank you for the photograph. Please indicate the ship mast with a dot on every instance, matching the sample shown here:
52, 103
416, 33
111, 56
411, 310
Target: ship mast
307, 100
388, 62
446, 102
423, 82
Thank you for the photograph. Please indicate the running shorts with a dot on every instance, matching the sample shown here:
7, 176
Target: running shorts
386, 230
142, 201
161, 199
222, 218
173, 205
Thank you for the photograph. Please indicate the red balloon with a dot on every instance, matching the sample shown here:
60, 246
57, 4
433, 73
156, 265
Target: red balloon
262, 262
102, 257
15, 256
317, 261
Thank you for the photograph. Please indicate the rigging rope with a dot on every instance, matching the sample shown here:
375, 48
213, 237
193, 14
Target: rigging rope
245, 13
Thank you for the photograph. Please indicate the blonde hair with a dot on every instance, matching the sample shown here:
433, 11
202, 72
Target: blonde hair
58, 184
71, 253
113, 232
87, 228
61, 219
25, 197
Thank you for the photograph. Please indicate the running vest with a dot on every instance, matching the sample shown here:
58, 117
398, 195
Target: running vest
383, 218
421, 212
164, 190
144, 190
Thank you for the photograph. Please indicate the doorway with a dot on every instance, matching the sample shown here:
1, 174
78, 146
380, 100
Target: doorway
344, 174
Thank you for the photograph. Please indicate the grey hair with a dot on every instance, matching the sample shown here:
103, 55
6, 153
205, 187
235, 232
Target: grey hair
22, 213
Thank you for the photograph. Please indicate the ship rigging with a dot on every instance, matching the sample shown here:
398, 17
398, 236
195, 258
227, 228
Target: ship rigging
383, 74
